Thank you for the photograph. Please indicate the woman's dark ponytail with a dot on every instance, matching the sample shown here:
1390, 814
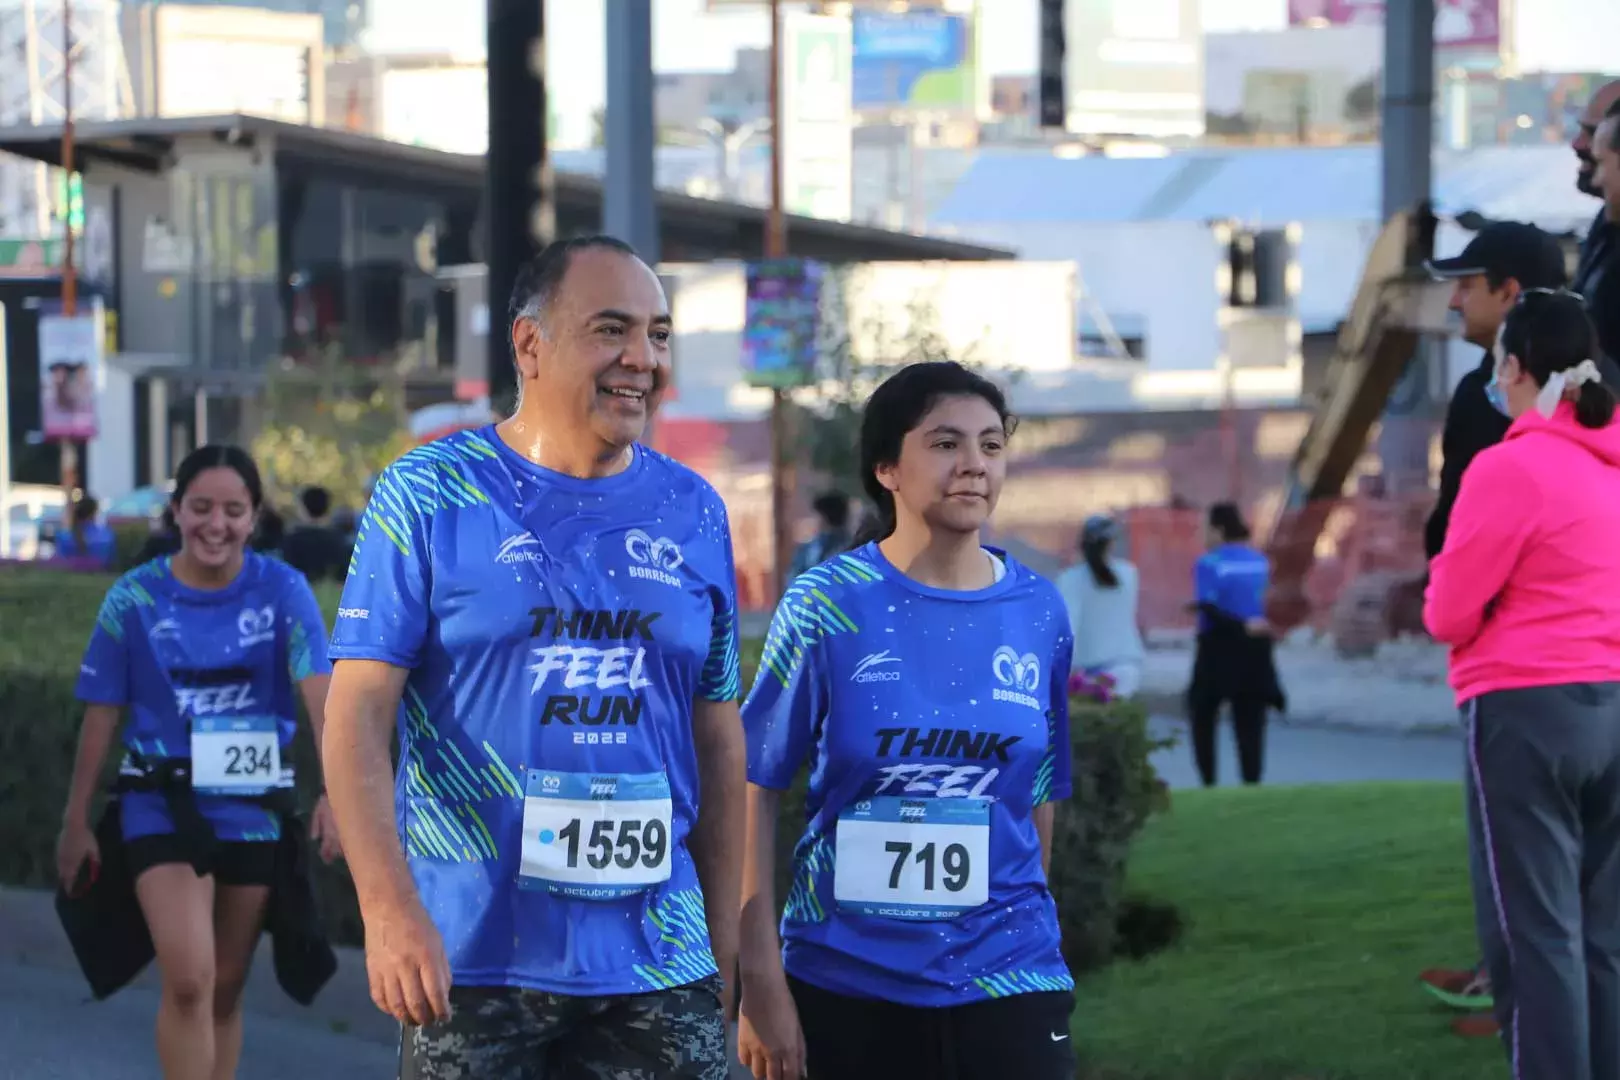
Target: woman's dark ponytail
1594, 407
1095, 553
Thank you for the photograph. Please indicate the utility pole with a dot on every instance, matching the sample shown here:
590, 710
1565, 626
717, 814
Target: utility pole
630, 211
520, 207
68, 447
776, 247
1407, 135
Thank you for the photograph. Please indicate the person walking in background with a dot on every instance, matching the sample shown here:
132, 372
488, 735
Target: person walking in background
1233, 663
1100, 593
88, 541
314, 547
832, 537
1525, 592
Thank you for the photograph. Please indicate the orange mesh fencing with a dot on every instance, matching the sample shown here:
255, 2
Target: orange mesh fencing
1317, 552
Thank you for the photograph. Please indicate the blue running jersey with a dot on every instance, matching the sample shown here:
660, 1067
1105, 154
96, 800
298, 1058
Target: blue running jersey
1233, 578
557, 631
209, 675
934, 722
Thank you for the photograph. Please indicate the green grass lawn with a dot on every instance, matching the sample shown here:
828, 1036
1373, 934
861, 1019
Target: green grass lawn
1310, 912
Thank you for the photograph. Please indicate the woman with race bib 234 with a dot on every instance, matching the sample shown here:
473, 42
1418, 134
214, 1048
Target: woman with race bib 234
207, 651
923, 677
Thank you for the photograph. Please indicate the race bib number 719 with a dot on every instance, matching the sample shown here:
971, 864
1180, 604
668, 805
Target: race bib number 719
913, 858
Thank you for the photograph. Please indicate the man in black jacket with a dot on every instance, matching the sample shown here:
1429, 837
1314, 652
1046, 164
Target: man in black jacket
1500, 262
1598, 277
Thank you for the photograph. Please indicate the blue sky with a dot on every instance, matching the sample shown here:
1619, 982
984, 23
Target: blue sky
1552, 35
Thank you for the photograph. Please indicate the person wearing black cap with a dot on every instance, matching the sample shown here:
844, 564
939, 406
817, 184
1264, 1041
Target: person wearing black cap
1502, 260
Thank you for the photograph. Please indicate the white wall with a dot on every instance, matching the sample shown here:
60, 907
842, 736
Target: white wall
113, 450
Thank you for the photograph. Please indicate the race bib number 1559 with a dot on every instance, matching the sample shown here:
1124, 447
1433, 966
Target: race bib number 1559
596, 836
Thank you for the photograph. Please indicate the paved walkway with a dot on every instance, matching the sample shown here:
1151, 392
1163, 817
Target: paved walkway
50, 1030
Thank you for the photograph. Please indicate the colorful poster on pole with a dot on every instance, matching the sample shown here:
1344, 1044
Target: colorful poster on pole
71, 350
781, 324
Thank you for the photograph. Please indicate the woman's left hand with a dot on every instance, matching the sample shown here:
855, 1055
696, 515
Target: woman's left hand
323, 830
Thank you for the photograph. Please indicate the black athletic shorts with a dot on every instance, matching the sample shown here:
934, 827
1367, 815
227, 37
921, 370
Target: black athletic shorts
241, 862
503, 1033
1022, 1037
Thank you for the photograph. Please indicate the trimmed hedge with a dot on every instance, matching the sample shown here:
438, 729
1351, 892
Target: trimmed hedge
46, 618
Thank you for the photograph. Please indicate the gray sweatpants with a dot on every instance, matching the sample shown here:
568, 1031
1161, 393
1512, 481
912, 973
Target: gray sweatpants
1544, 829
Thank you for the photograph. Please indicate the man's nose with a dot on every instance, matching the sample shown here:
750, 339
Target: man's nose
638, 354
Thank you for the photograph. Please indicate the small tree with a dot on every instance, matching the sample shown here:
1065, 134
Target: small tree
330, 425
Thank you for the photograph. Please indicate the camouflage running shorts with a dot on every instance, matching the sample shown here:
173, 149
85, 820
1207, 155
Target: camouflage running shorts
503, 1033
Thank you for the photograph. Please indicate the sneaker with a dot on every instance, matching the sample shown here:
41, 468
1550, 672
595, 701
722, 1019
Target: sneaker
1451, 980
1469, 991
1482, 1025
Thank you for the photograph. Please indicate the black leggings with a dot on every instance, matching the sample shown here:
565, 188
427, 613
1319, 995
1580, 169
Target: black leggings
1023, 1037
1248, 724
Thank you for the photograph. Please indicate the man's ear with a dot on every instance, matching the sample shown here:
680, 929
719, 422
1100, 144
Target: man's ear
526, 342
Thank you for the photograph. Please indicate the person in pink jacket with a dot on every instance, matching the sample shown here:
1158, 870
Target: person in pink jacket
1526, 591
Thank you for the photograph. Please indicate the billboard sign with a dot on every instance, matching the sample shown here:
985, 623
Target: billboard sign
1134, 68
914, 60
71, 350
1458, 24
781, 322
818, 154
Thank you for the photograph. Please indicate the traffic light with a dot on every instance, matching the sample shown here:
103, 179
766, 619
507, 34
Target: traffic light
70, 197
1054, 104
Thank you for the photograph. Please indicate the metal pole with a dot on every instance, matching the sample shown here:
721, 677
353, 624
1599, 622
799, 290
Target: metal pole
629, 210
520, 214
69, 457
1408, 136
775, 248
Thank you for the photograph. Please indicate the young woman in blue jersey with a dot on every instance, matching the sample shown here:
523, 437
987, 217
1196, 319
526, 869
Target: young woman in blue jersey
207, 650
924, 679
1233, 662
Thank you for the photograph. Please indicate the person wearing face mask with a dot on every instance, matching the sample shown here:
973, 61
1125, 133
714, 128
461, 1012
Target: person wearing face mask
1501, 261
924, 679
208, 652
1524, 592
546, 609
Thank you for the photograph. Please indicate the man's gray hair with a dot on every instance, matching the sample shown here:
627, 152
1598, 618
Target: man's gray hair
540, 278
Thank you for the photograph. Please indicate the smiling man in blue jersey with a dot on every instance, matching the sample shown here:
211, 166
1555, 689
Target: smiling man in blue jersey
549, 610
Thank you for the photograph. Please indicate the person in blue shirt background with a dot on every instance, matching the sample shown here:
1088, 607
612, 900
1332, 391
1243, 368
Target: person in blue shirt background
924, 679
547, 610
208, 651
87, 539
1234, 662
